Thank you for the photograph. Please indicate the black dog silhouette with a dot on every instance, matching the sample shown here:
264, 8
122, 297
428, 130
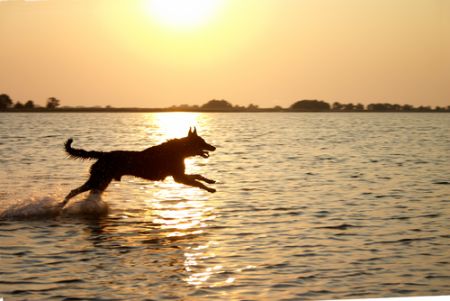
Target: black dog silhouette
154, 163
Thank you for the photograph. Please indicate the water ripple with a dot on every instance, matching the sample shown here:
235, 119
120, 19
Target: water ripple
309, 206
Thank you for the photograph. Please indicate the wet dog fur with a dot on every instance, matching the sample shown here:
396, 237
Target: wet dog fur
154, 163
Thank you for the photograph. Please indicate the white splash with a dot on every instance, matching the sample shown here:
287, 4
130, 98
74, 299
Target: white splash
49, 206
91, 206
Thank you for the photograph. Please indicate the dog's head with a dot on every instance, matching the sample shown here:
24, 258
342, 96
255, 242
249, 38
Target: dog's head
197, 145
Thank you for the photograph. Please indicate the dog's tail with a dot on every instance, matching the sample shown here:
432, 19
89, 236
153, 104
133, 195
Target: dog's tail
80, 153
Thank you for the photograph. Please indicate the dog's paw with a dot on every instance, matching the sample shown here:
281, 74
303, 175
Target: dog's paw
212, 190
209, 181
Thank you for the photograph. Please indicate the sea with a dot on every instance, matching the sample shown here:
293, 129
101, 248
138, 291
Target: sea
309, 206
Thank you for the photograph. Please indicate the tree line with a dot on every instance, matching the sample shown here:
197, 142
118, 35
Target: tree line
322, 106
311, 106
222, 105
7, 103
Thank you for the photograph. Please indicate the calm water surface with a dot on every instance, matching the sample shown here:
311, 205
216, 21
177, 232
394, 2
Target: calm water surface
309, 207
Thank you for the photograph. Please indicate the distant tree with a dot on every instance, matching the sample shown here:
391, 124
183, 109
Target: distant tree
277, 108
359, 107
396, 107
407, 108
252, 107
349, 107
424, 109
5, 101
337, 106
379, 107
53, 103
388, 107
217, 105
18, 105
310, 106
29, 105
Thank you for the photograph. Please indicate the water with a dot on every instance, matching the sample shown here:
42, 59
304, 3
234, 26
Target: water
309, 207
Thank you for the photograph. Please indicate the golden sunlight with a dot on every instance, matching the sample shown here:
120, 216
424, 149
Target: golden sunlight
176, 125
183, 14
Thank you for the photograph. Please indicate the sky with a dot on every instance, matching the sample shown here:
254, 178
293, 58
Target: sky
159, 53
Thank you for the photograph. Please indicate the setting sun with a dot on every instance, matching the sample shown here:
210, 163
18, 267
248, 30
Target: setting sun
183, 14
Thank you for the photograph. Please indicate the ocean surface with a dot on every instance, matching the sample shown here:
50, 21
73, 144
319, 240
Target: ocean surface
309, 206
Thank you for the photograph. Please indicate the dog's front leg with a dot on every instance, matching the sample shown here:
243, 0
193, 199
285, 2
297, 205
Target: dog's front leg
187, 180
201, 178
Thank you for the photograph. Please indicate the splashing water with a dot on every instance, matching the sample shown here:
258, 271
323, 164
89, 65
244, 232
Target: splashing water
50, 206
91, 206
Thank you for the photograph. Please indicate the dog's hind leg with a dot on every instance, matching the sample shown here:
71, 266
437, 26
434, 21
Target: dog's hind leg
101, 186
95, 185
85, 187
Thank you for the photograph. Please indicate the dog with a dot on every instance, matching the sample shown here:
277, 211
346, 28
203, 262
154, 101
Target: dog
154, 163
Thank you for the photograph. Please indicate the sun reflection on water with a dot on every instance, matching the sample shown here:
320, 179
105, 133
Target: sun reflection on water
182, 213
186, 219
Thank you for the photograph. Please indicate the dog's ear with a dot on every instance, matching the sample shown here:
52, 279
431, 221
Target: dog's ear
192, 133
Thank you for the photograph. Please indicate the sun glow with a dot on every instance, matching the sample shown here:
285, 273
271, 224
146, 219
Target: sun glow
183, 14
176, 125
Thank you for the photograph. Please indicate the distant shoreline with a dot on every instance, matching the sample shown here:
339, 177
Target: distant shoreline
220, 106
169, 110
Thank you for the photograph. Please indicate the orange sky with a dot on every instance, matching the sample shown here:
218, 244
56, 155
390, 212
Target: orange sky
266, 52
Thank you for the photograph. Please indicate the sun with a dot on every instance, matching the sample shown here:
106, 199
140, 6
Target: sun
183, 14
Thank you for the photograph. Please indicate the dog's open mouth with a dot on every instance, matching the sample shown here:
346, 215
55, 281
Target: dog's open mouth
205, 149
204, 154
